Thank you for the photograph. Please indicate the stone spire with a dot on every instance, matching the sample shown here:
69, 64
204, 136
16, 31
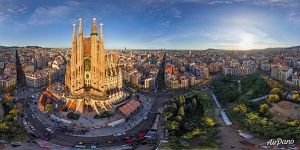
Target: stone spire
74, 46
102, 54
101, 38
80, 26
94, 27
79, 67
80, 42
74, 38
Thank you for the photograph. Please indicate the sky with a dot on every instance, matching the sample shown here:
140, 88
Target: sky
154, 24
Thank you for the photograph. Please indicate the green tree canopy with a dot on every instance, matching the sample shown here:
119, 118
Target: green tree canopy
172, 125
174, 106
179, 118
295, 97
49, 107
194, 102
273, 98
181, 111
275, 91
181, 100
263, 107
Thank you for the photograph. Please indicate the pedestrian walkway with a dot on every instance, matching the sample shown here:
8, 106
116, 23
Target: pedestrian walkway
260, 98
48, 145
229, 137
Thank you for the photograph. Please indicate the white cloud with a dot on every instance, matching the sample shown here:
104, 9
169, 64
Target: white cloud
43, 15
176, 12
220, 2
9, 10
294, 16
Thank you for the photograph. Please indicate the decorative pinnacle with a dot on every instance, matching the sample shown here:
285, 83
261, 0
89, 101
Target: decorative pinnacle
101, 24
74, 24
94, 19
80, 19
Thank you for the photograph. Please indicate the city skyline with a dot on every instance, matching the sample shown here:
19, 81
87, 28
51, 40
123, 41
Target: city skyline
186, 24
94, 94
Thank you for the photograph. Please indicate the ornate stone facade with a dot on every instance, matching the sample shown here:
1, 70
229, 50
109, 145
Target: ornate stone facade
93, 76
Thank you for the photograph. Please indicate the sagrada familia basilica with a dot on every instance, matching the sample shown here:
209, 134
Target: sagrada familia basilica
93, 77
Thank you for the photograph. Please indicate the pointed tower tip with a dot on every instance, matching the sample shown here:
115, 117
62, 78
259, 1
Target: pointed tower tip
101, 24
94, 27
80, 26
74, 32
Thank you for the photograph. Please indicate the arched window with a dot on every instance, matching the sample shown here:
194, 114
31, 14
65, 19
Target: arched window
87, 64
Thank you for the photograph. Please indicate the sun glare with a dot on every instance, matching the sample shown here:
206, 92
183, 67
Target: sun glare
246, 43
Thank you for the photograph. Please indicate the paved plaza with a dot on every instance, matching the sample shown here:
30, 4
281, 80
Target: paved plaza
98, 127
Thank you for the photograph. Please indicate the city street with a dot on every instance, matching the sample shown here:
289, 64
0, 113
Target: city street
140, 74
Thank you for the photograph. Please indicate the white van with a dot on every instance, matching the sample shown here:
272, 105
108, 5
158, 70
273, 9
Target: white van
49, 130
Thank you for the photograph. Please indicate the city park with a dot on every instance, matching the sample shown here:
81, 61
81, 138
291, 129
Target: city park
257, 105
260, 105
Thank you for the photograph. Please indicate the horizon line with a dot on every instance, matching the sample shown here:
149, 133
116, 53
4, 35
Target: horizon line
125, 48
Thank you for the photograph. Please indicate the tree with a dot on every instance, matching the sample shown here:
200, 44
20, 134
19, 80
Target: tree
48, 107
7, 97
181, 111
181, 100
240, 108
188, 135
168, 115
174, 106
209, 121
293, 123
3, 126
73, 116
275, 91
188, 107
273, 98
194, 102
14, 112
264, 121
196, 132
295, 97
179, 118
263, 107
252, 117
172, 125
